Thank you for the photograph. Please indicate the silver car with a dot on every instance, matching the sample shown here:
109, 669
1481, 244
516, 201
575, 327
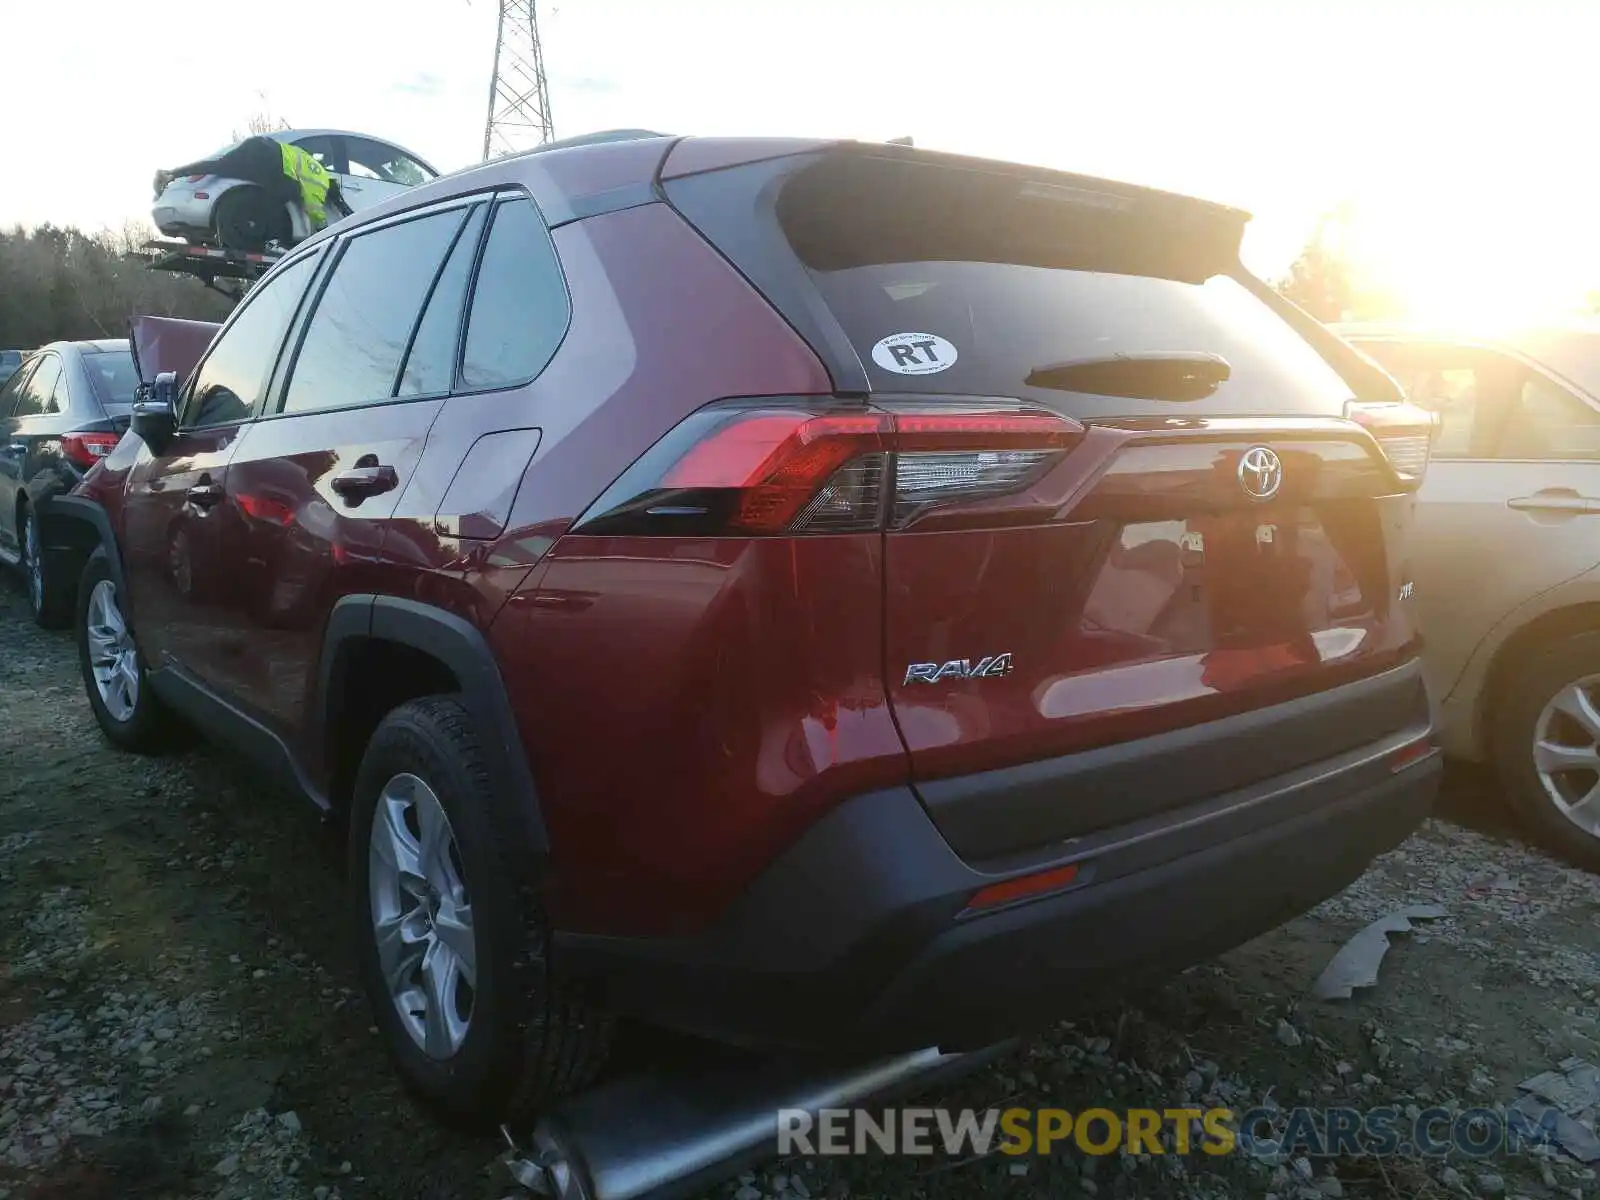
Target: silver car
1505, 552
208, 208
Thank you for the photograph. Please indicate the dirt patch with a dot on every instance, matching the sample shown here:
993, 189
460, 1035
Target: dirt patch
178, 1016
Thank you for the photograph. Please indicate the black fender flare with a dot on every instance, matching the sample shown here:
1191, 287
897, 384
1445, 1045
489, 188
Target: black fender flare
53, 510
465, 651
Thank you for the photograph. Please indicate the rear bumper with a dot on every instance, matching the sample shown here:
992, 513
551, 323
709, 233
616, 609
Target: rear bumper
857, 937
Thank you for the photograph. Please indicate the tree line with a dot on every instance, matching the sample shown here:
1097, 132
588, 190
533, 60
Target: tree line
66, 284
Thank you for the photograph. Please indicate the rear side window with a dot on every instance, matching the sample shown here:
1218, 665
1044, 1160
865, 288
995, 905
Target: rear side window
519, 303
959, 279
431, 362
59, 401
363, 321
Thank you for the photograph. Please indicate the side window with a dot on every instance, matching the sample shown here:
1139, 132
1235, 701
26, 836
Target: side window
1469, 388
1547, 421
431, 362
59, 401
374, 160
322, 149
364, 319
519, 303
36, 393
11, 390
233, 376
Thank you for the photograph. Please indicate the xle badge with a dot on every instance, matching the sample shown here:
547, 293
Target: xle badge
992, 667
914, 354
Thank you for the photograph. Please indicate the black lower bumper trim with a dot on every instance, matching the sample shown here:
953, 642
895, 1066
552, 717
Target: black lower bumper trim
854, 939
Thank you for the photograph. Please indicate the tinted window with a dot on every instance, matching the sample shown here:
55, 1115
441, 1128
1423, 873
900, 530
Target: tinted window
359, 330
374, 160
112, 376
979, 283
431, 362
519, 303
231, 380
59, 401
321, 149
36, 392
11, 389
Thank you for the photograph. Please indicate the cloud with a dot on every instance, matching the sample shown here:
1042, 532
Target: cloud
421, 84
590, 83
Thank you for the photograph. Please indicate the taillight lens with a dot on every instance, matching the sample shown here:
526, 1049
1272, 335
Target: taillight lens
86, 449
761, 468
1404, 431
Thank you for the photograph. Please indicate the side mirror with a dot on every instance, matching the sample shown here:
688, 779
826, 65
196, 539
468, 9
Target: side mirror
154, 418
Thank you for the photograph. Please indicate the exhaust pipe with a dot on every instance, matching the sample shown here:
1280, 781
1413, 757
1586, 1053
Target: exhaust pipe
667, 1135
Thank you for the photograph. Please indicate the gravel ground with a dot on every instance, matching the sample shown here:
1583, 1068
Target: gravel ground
178, 1017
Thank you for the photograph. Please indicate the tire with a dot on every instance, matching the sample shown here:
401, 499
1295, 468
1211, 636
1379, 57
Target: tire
143, 726
246, 219
521, 1037
1524, 721
48, 597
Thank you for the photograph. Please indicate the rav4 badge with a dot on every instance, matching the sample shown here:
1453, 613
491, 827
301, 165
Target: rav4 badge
992, 667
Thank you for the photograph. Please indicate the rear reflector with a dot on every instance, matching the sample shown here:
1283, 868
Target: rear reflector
761, 468
1023, 887
1405, 432
1411, 754
86, 449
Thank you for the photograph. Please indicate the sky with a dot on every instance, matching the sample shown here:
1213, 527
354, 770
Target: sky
1459, 134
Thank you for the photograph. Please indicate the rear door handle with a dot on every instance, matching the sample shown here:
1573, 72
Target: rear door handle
1557, 501
204, 494
356, 484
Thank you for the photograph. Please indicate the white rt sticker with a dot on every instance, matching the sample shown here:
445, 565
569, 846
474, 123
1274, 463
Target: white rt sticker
914, 354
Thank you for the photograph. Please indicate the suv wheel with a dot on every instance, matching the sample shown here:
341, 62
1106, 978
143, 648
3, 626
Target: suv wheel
114, 674
1547, 746
46, 597
451, 937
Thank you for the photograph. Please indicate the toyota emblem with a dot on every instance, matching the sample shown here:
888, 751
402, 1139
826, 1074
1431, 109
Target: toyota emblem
1260, 473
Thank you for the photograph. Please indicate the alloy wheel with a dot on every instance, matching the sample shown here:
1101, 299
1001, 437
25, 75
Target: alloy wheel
33, 561
112, 654
1566, 753
422, 916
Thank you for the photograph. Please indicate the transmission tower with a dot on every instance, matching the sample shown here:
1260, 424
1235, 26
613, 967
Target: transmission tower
519, 97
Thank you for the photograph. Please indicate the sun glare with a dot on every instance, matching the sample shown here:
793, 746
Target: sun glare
1472, 257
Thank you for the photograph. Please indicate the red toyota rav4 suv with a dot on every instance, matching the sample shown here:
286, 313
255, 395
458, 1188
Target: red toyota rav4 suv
807, 594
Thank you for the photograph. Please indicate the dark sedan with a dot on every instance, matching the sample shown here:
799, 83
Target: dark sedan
63, 410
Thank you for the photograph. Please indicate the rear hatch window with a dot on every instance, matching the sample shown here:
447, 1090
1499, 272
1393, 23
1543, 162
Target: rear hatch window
970, 283
949, 276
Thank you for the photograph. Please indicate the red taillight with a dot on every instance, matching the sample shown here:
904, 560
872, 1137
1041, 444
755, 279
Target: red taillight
757, 468
194, 178
202, 195
1404, 431
86, 449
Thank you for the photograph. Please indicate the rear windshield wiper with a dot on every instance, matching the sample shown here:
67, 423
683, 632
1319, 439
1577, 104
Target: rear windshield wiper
1180, 375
